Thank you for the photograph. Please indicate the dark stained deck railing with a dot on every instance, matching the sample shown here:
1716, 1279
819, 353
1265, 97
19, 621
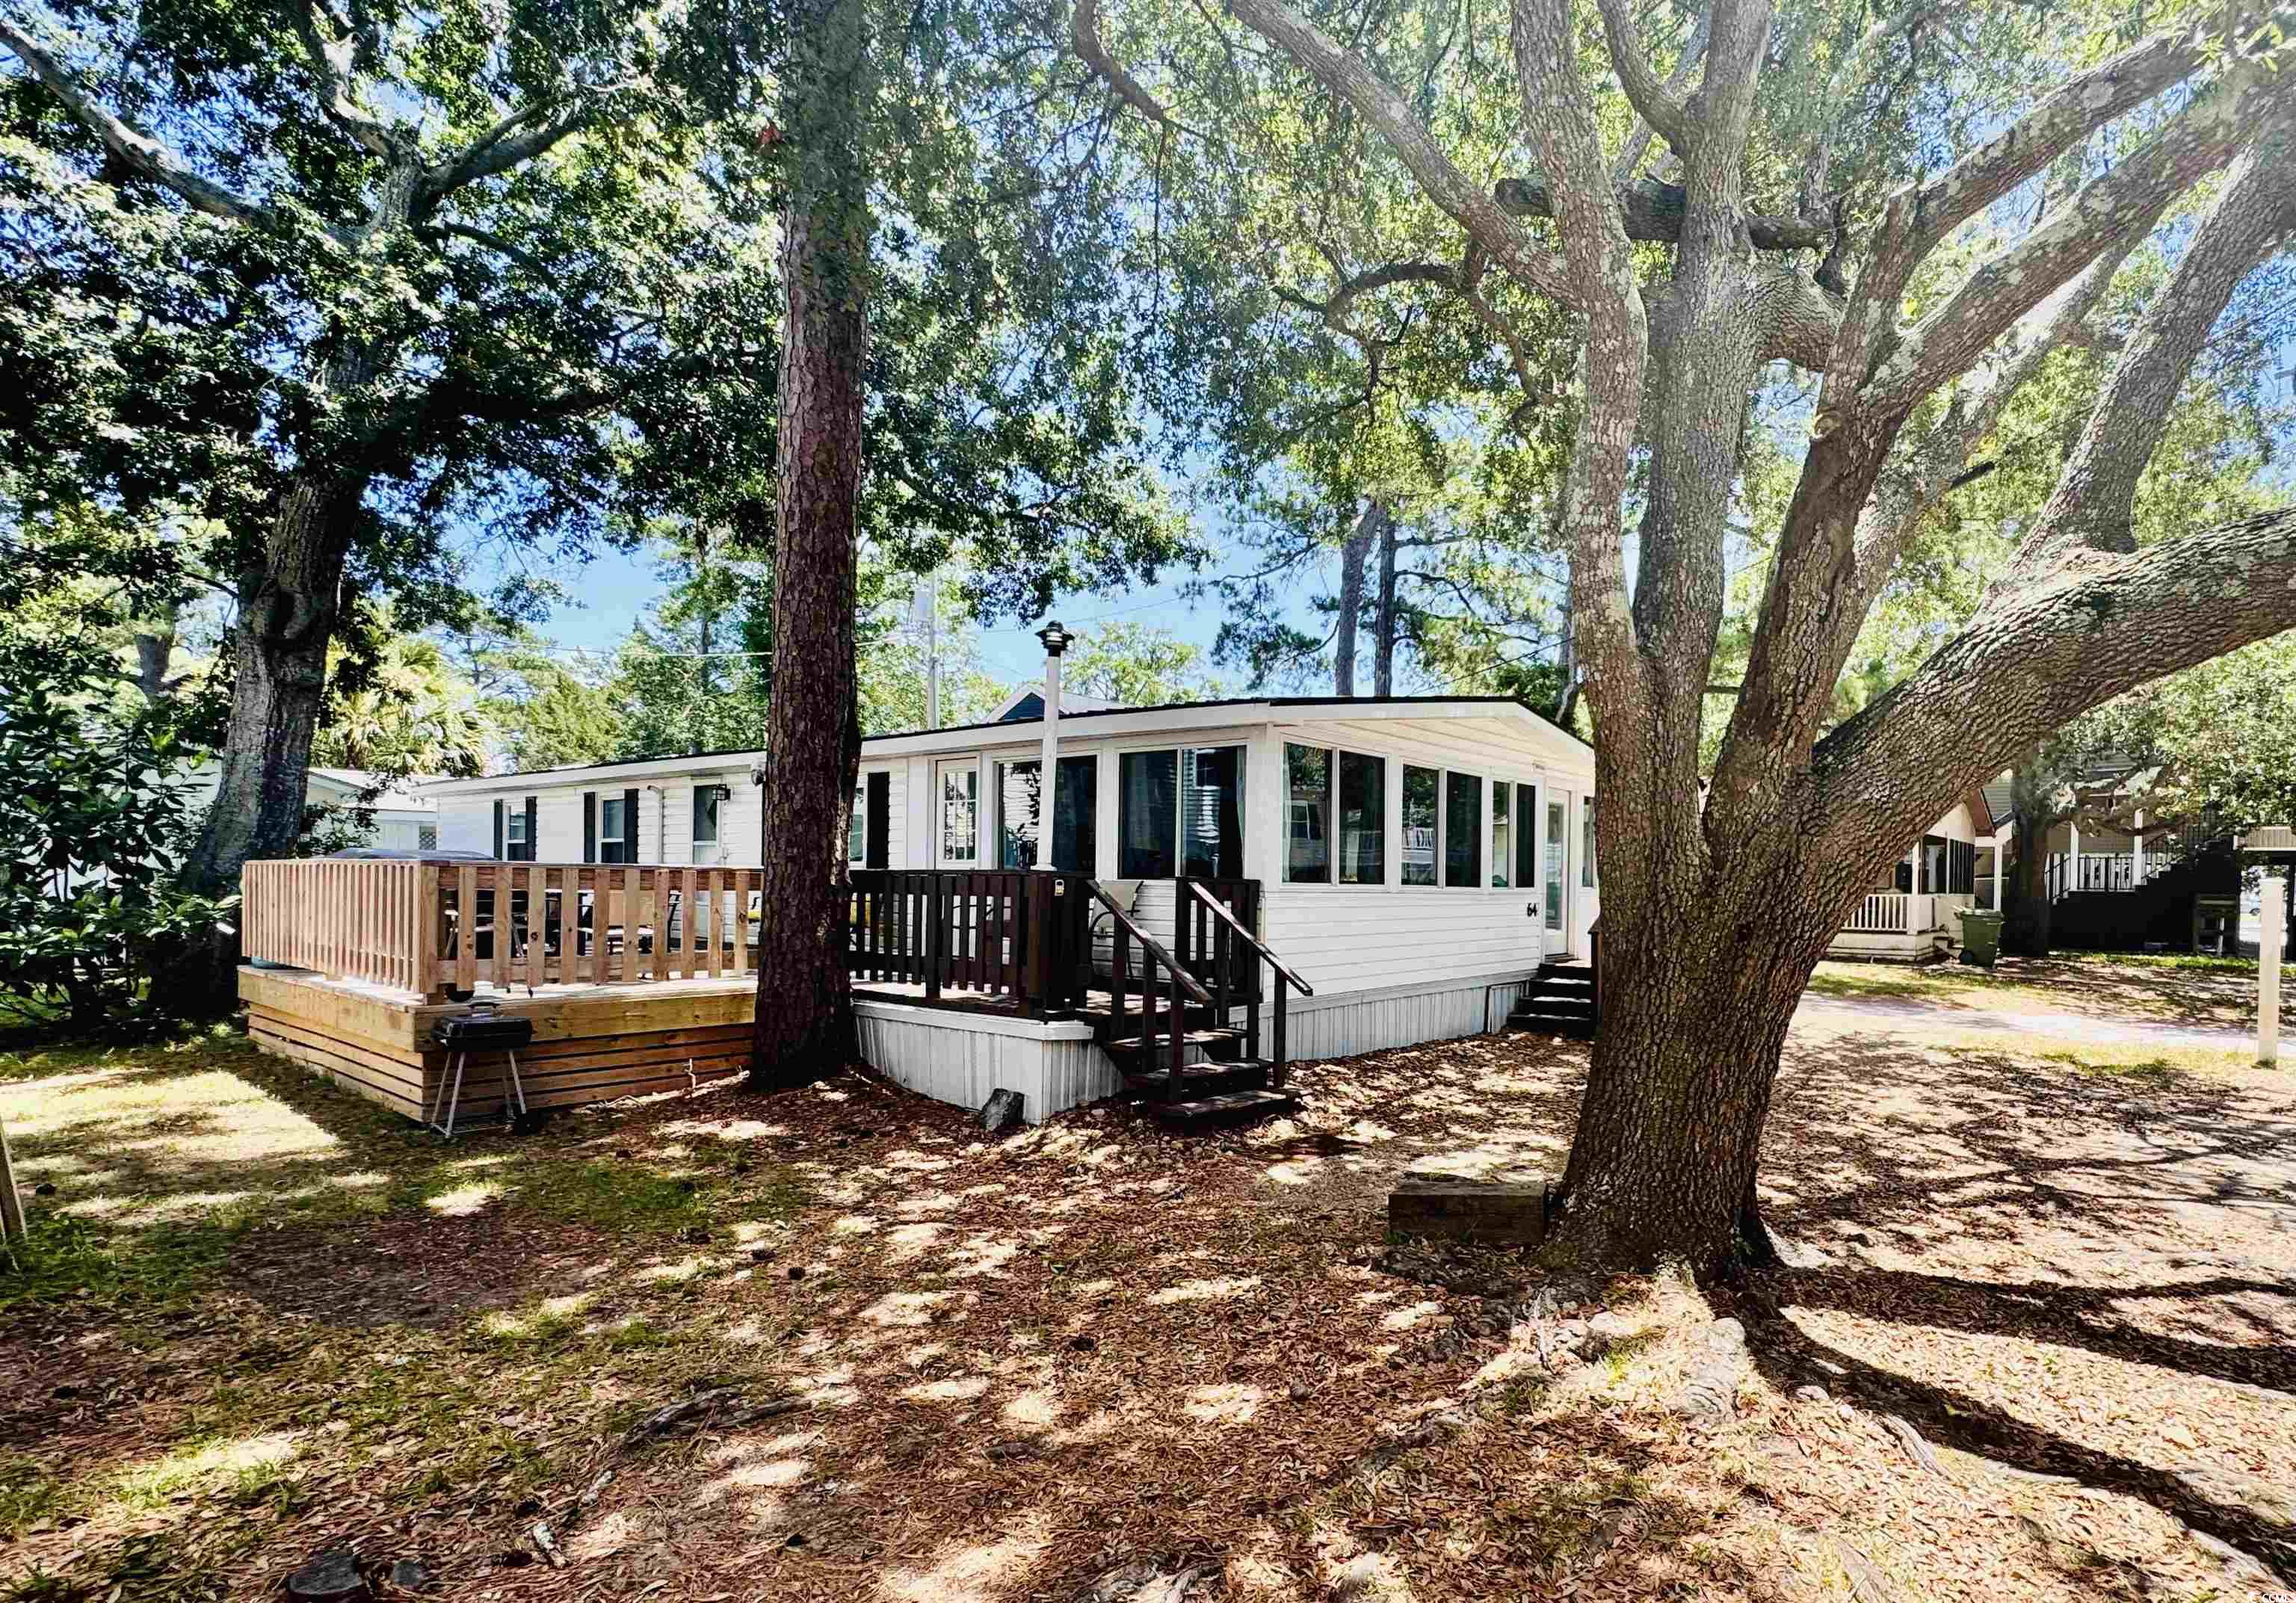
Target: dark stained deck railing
1009, 937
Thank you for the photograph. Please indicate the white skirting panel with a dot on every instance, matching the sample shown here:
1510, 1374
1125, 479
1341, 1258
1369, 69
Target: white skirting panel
1371, 1021
960, 1058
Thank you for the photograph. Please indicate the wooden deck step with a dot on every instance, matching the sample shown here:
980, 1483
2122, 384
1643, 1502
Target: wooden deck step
1578, 1027
1201, 1079
1230, 1104
1552, 1002
1163, 1041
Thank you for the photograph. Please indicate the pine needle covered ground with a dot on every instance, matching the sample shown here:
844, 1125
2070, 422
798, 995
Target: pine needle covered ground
834, 1346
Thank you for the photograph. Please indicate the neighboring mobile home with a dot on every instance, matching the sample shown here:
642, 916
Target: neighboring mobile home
1915, 915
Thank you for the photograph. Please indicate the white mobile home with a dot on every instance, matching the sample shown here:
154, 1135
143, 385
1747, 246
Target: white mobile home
1411, 862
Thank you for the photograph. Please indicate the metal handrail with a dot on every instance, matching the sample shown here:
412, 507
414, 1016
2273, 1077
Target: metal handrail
1249, 939
1150, 944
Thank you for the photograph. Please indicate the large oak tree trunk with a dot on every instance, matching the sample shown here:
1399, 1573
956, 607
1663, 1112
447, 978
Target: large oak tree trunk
1700, 985
288, 610
812, 734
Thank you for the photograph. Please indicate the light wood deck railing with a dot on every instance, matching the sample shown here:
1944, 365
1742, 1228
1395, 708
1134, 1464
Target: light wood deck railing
404, 924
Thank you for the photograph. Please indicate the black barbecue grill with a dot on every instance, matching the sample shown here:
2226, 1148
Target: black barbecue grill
482, 1029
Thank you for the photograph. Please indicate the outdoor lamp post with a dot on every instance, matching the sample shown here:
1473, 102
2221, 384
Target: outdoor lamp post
1056, 641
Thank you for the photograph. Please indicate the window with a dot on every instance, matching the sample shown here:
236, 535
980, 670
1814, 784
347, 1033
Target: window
1308, 815
613, 829
1586, 843
960, 812
1558, 852
1363, 820
1148, 791
707, 800
1180, 813
1211, 811
1502, 832
857, 832
1423, 796
426, 838
1462, 829
1020, 809
1526, 835
1948, 866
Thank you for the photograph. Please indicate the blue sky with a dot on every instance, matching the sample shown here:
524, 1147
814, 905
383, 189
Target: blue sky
615, 588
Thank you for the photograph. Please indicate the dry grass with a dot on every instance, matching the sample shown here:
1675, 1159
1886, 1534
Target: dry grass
258, 1318
2187, 990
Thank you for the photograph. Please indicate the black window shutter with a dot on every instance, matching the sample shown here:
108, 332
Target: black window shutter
589, 826
630, 827
1526, 836
878, 849
533, 829
498, 829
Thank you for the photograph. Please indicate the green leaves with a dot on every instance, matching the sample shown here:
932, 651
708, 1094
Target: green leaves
97, 820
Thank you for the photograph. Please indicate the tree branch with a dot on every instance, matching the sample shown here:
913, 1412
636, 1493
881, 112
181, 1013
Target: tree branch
337, 97
1638, 144
2090, 509
490, 241
1084, 37
1660, 107
502, 148
146, 155
2202, 138
1450, 189
1652, 210
2046, 653
2062, 120
1608, 378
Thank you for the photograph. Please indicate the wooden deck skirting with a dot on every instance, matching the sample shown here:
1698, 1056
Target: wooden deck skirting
592, 1043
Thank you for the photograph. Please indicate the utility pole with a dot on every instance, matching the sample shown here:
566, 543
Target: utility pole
924, 617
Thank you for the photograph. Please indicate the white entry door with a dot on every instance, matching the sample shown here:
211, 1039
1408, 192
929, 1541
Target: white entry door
1554, 870
957, 843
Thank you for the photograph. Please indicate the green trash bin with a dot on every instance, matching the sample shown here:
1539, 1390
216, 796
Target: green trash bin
1980, 937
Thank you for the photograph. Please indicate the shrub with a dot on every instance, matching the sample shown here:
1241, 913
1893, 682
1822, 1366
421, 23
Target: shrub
95, 824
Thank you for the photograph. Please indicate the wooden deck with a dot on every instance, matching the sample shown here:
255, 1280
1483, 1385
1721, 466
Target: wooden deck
592, 1042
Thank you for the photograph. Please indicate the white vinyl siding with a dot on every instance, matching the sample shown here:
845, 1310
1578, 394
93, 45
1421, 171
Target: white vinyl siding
1412, 939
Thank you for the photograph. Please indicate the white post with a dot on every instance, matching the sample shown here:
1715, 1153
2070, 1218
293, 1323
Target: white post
2137, 867
2074, 882
2274, 935
1056, 641
2000, 849
1913, 919
11, 1201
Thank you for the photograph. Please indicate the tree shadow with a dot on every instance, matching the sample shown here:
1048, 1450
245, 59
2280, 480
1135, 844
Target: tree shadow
1788, 1357
1985, 1193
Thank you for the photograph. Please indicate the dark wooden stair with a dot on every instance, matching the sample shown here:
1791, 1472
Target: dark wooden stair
1559, 1001
1214, 1072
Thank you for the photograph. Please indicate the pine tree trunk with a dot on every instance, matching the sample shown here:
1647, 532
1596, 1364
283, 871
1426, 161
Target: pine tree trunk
1353, 557
812, 733
1383, 620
